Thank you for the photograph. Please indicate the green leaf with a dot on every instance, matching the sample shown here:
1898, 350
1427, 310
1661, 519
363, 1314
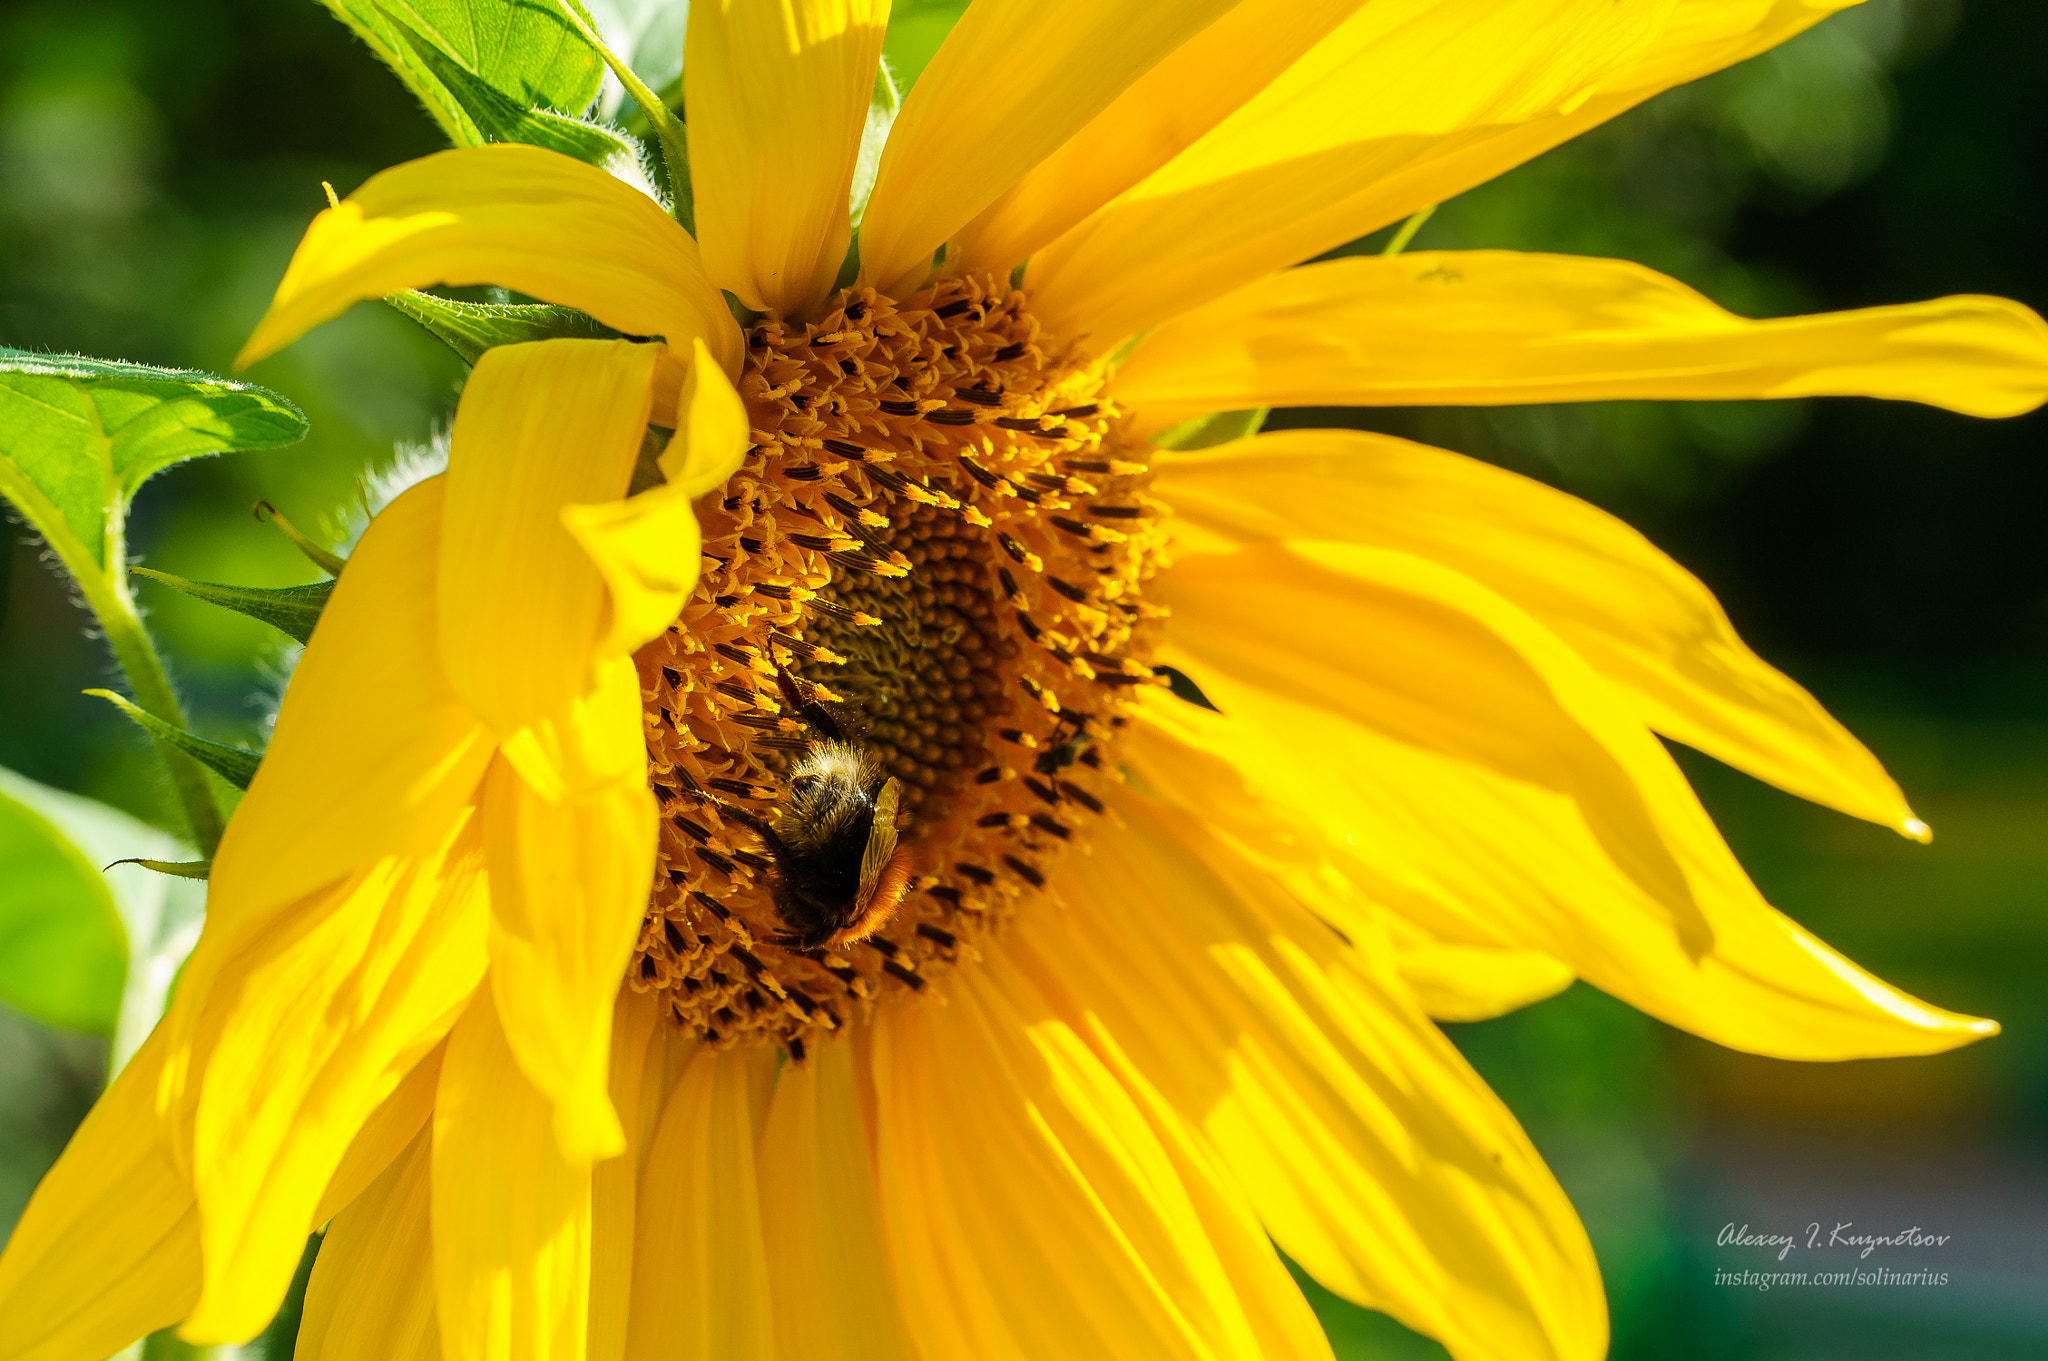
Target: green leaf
234, 764
159, 917
648, 36
470, 328
1204, 432
525, 51
289, 609
63, 950
500, 118
78, 436
916, 28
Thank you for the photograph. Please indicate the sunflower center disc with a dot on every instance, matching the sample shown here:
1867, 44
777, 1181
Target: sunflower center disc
938, 530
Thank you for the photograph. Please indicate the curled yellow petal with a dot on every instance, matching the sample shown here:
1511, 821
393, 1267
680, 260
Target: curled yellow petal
777, 99
1632, 613
569, 880
516, 216
1488, 328
522, 607
647, 547
1013, 80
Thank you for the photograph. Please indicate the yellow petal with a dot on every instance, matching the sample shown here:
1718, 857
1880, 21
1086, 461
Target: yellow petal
516, 216
701, 1289
711, 432
312, 1026
1374, 1155
1013, 80
569, 884
108, 1248
369, 734
1471, 982
1408, 706
1153, 120
511, 1219
371, 1296
777, 98
835, 1299
1407, 104
646, 548
1032, 1209
1489, 328
643, 1039
1633, 614
386, 1134
540, 427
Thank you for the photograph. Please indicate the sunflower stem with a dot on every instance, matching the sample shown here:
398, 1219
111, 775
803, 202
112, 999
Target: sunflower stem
1408, 230
114, 606
668, 129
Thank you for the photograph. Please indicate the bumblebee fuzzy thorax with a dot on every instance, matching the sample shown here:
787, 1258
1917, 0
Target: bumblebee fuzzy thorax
941, 532
831, 799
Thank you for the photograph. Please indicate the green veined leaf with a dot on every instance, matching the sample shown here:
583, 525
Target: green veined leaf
470, 328
1205, 432
523, 50
233, 764
78, 436
500, 118
289, 609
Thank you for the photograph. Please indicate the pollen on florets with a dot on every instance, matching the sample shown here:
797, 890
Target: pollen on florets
940, 528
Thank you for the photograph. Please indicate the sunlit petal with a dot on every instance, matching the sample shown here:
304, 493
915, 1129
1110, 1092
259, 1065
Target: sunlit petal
1486, 328
1407, 104
506, 214
1633, 614
108, 1248
777, 98
1013, 80
371, 1295
522, 606
510, 1218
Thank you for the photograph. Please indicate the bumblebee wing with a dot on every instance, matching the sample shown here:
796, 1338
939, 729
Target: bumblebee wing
881, 845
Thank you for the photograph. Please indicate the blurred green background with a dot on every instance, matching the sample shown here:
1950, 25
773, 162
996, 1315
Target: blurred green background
158, 158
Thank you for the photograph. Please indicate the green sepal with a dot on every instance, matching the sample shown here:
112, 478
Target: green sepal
1205, 432
500, 118
182, 869
288, 609
328, 562
233, 764
470, 328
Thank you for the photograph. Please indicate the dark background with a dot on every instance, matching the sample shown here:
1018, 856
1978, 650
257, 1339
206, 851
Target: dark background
158, 158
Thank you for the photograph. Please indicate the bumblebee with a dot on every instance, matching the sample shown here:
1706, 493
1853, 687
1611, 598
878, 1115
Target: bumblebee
841, 870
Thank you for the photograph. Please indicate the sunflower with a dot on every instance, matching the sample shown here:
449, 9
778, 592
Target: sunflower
731, 878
